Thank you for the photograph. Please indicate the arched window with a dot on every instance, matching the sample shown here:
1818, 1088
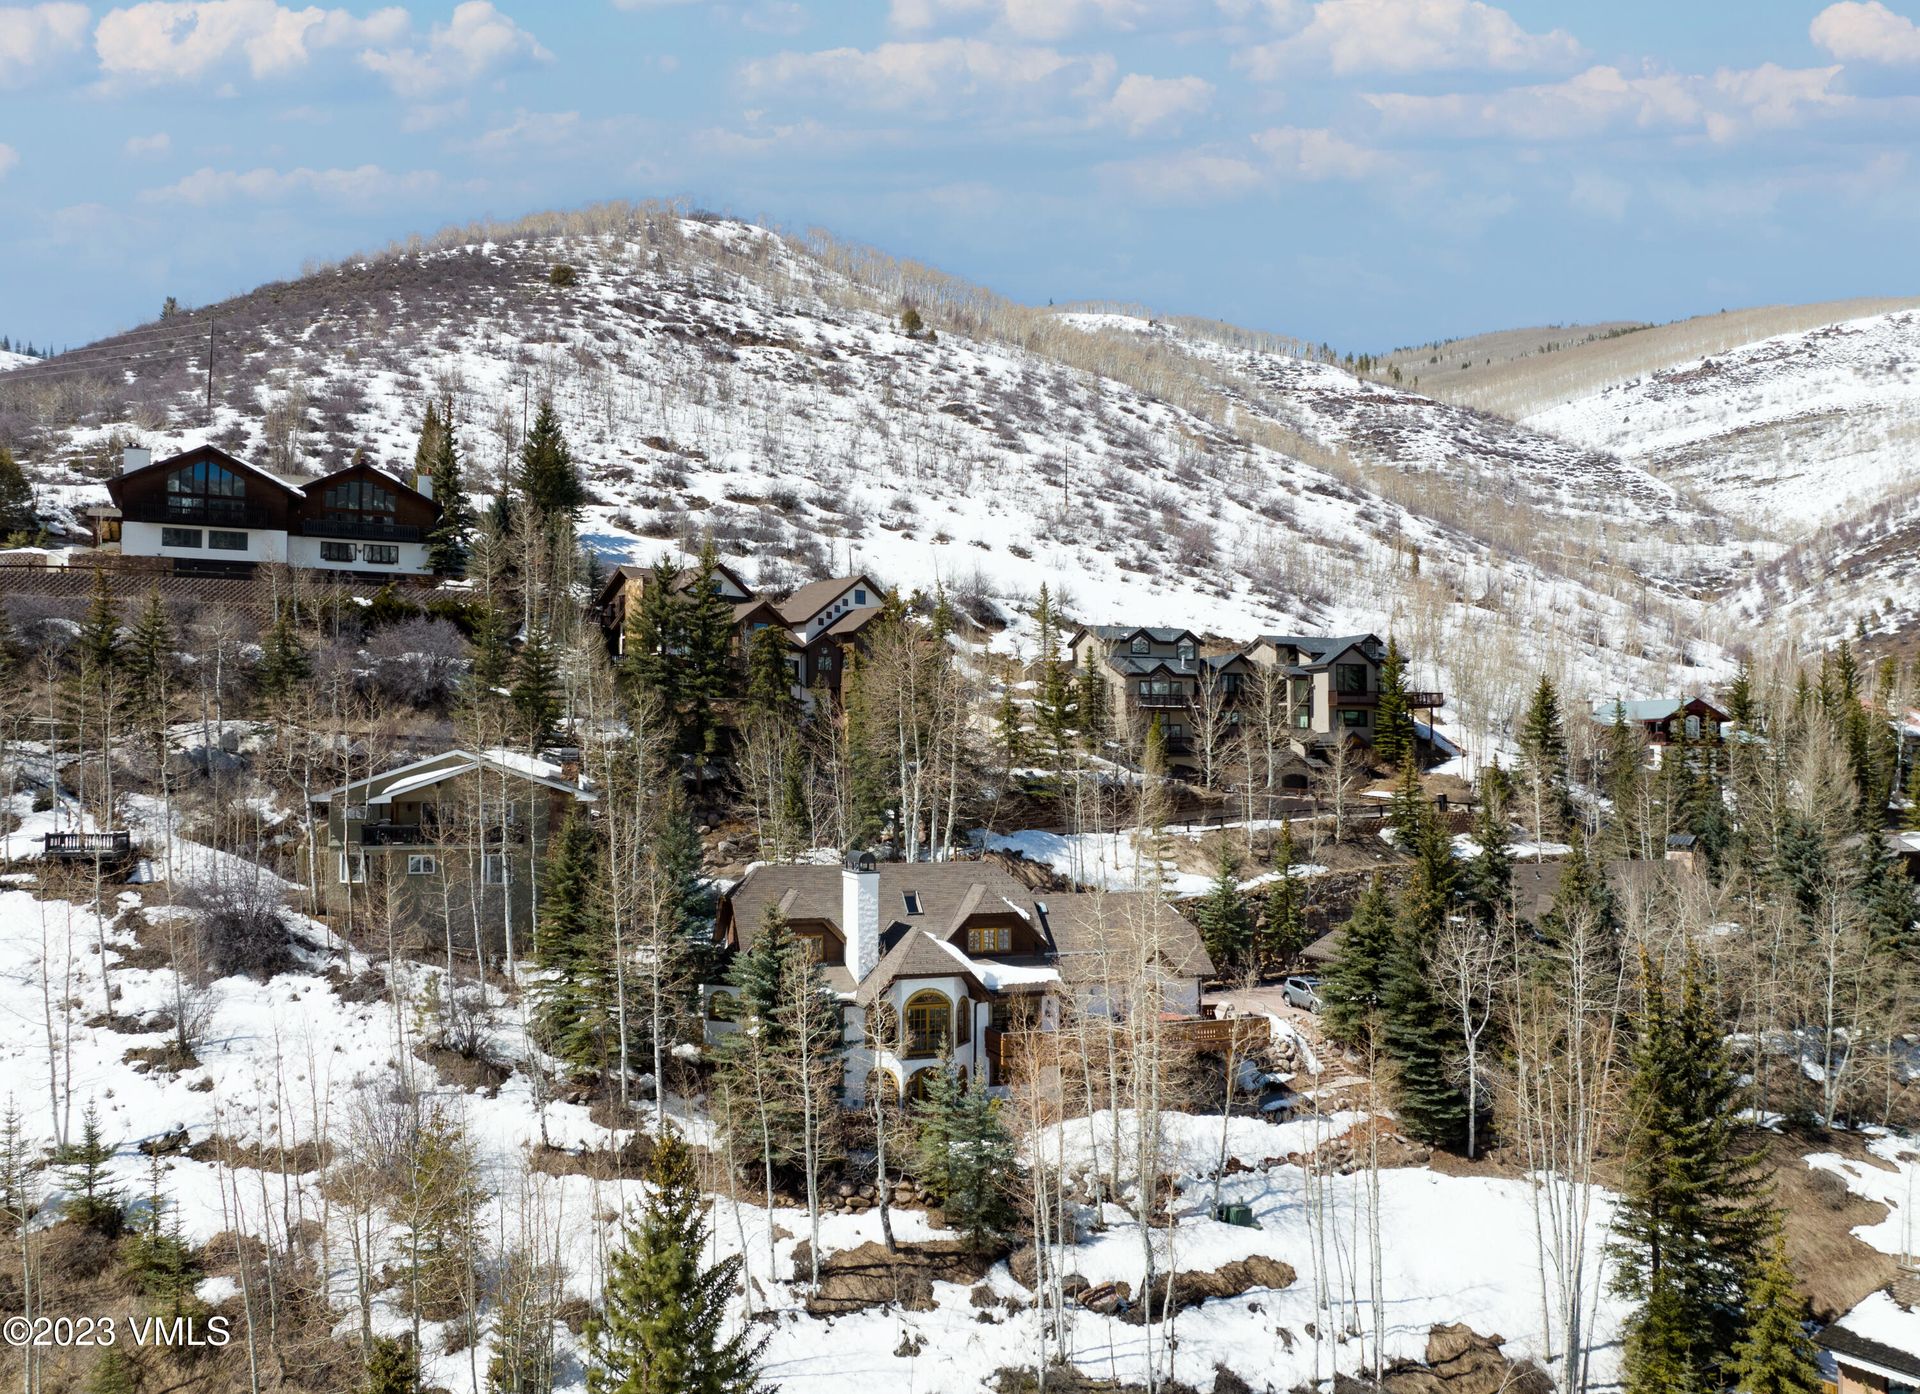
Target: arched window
723, 1006
929, 1025
918, 1085
207, 490
878, 1080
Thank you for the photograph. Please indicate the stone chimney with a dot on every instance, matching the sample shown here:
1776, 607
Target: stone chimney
1906, 1284
135, 457
860, 915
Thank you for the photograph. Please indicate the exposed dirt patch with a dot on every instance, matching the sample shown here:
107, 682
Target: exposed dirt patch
603, 1163
296, 1159
468, 1072
868, 1276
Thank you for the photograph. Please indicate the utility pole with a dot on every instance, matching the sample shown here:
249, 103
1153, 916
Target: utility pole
210, 324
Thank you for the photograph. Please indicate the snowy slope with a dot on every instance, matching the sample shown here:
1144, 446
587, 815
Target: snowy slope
10, 361
712, 376
1787, 432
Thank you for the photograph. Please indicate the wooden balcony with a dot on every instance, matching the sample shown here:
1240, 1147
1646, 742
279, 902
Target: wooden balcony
1218, 1035
1164, 701
107, 845
1426, 700
1356, 699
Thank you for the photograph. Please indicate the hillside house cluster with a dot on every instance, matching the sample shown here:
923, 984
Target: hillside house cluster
1330, 684
209, 513
945, 964
821, 622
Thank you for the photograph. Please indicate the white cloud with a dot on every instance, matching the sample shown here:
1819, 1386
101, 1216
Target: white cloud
1409, 36
1044, 20
30, 35
1866, 33
935, 77
478, 40
1600, 195
1141, 103
530, 129
1279, 155
181, 40
156, 144
364, 184
1723, 106
9, 157
1316, 155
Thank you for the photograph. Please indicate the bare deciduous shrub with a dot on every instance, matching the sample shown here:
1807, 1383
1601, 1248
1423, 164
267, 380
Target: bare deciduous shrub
240, 927
417, 661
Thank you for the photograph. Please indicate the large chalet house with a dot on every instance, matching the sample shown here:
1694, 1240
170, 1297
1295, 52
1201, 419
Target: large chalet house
1663, 720
210, 513
942, 963
458, 837
822, 621
1331, 684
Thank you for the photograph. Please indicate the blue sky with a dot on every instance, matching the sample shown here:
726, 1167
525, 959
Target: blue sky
1367, 172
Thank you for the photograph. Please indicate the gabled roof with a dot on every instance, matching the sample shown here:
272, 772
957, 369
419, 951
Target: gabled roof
1655, 709
1118, 633
623, 573
311, 487
816, 596
1320, 649
1878, 1335
1084, 924
917, 955
450, 764
203, 452
853, 621
810, 892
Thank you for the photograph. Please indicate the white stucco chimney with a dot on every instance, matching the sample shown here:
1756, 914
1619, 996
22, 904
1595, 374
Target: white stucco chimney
860, 916
135, 457
423, 484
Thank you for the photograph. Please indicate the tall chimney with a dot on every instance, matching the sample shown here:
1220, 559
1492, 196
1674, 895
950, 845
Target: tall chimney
135, 457
423, 483
860, 916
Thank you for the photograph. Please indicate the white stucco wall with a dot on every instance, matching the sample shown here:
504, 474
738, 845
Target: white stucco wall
305, 551
143, 540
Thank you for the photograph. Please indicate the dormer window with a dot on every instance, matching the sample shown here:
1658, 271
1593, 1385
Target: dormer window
912, 899
1141, 645
1186, 653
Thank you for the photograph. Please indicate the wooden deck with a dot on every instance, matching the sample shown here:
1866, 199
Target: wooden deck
108, 845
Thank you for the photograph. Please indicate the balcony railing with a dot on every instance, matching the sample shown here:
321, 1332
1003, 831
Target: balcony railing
210, 513
107, 844
359, 528
1356, 699
1426, 700
418, 835
1164, 701
1210, 1034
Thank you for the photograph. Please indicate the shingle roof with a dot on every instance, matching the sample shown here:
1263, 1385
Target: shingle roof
917, 955
1863, 1334
1652, 709
1320, 647
1084, 924
815, 596
1114, 632
813, 893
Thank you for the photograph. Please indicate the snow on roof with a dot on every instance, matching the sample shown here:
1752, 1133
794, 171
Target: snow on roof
999, 977
1879, 1335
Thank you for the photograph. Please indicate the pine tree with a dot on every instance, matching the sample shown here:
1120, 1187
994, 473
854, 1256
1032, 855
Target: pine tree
535, 694
98, 643
1222, 917
1488, 881
283, 662
492, 649
770, 678
655, 636
450, 541
964, 1155
1283, 933
115, 1372
1012, 735
149, 664
1418, 1040
709, 676
659, 1329
1775, 1355
1393, 731
1090, 708
575, 1016
1582, 892
19, 515
1408, 807
159, 1256
1624, 760
1741, 706
392, 1367
81, 1167
1695, 1209
549, 479
1543, 763
1354, 979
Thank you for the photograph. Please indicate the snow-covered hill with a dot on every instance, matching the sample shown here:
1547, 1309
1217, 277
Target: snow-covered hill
1787, 433
714, 376
10, 361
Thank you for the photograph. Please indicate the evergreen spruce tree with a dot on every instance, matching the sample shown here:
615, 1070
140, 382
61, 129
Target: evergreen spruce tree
115, 1372
283, 662
655, 636
549, 479
1408, 808
964, 1155
1418, 1035
1775, 1355
492, 650
19, 516
1012, 735
392, 1367
426, 451
159, 1256
709, 676
1695, 1209
1352, 988
1543, 763
1623, 762
81, 1166
1393, 732
660, 1328
1582, 891
535, 694
1090, 708
1741, 706
769, 678
1488, 880
450, 542
1222, 917
149, 664
575, 1016
1283, 933
98, 643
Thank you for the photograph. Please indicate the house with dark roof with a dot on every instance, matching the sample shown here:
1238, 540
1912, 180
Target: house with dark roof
942, 963
1164, 676
620, 592
1875, 1348
1663, 720
210, 513
827, 619
1333, 684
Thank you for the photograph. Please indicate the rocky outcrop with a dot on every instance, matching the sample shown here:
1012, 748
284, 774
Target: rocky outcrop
1461, 1361
1188, 1289
868, 1276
